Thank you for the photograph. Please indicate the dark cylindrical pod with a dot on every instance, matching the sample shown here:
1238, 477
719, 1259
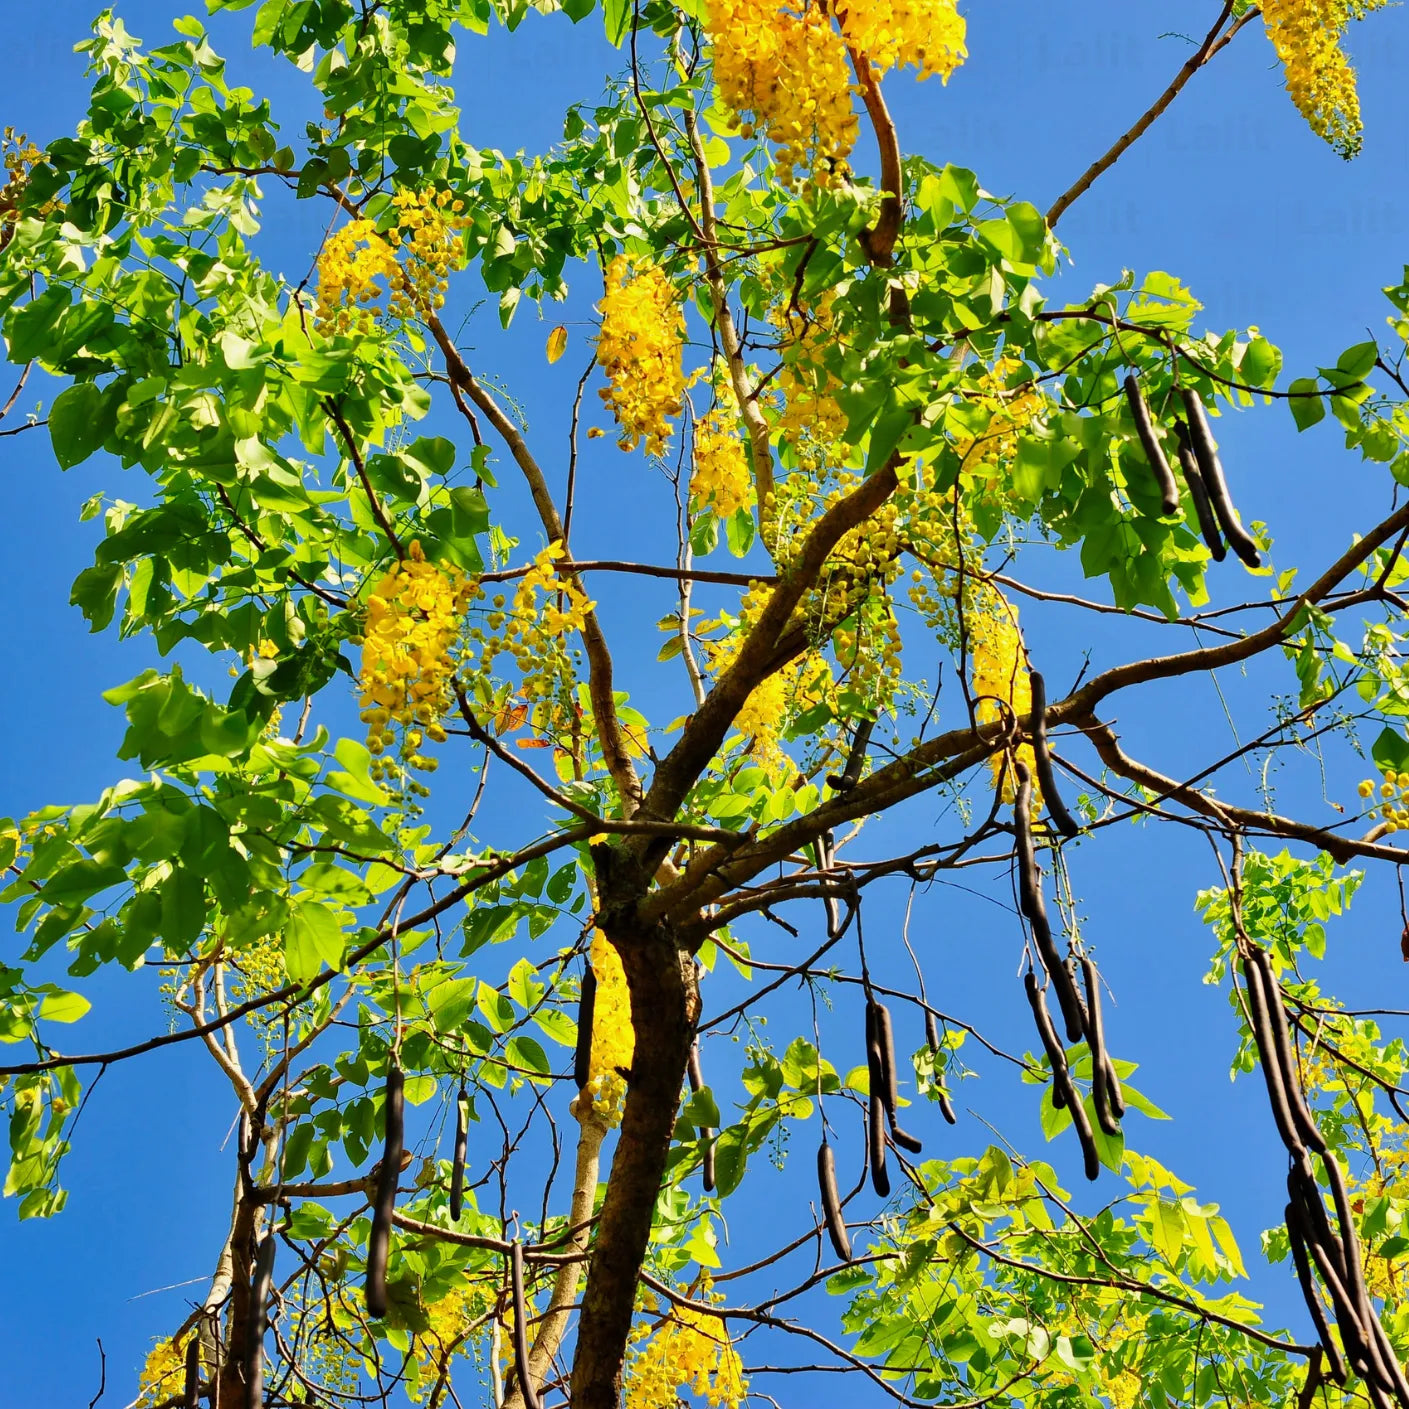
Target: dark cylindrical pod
1302, 1119
1297, 1238
1056, 1053
1388, 1359
876, 1145
1306, 1197
1198, 492
946, 1110
1267, 1059
586, 1006
693, 1071
1096, 1044
1113, 1088
1062, 820
885, 1043
1206, 452
261, 1283
527, 1388
707, 1161
191, 1389
379, 1239
1350, 1243
831, 1202
1348, 1319
1149, 443
462, 1149
932, 1037
1084, 1134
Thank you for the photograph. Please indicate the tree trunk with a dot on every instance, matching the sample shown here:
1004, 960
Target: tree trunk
664, 1007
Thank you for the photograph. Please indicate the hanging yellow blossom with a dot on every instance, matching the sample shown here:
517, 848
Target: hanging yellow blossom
408, 660
720, 480
987, 459
691, 1350
613, 1036
1000, 673
810, 416
643, 331
786, 75
407, 264
1307, 35
164, 1372
927, 34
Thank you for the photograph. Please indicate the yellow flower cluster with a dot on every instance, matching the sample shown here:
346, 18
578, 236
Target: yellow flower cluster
643, 331
810, 416
1307, 36
163, 1373
1000, 673
926, 33
688, 1349
535, 635
1394, 809
720, 480
613, 1036
413, 621
20, 154
409, 264
786, 75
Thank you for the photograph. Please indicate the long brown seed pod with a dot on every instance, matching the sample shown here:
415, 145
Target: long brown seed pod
1056, 1053
1267, 1058
1113, 1088
462, 1149
1062, 820
260, 1284
1296, 1236
1302, 1119
1082, 1125
1198, 492
831, 1201
191, 1390
890, 1091
527, 1388
855, 758
1303, 1193
1032, 904
1149, 442
379, 1239
1096, 1044
1211, 467
876, 1145
696, 1078
586, 1007
1352, 1329
935, 1046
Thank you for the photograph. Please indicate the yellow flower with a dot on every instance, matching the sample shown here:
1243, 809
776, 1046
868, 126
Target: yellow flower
613, 1036
786, 75
1307, 36
164, 1372
639, 346
691, 1350
929, 34
1000, 673
721, 480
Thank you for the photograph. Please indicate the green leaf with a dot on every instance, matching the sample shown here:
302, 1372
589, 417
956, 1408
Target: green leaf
76, 424
730, 1160
1391, 751
313, 937
63, 1007
1307, 407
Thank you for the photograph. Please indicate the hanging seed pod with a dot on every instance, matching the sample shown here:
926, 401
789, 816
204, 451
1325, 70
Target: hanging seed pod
526, 1386
1056, 1053
932, 1032
1305, 1196
1062, 820
1032, 904
1267, 1058
876, 1145
191, 1389
1302, 1120
1082, 1125
1206, 452
1113, 1088
260, 1285
855, 759
1198, 492
462, 1148
890, 1091
379, 1239
1149, 443
831, 1201
586, 1007
1096, 1044
696, 1078
1297, 1238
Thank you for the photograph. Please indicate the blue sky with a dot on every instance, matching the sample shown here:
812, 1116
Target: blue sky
1230, 192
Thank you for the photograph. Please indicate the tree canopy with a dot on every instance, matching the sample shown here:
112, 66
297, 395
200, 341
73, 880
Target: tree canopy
520, 953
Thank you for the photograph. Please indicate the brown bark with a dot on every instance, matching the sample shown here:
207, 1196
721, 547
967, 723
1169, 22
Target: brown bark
664, 1007
230, 1382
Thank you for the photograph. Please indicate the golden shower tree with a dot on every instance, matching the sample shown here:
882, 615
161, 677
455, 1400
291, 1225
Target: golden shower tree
472, 938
